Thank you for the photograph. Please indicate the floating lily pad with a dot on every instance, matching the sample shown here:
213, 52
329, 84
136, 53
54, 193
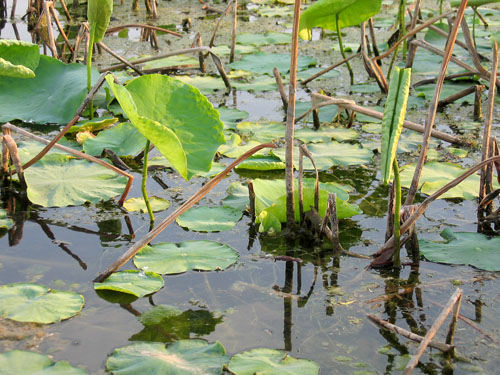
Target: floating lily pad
179, 60
18, 59
234, 149
17, 362
138, 204
448, 89
209, 219
185, 357
124, 139
261, 132
270, 362
231, 116
270, 11
437, 174
268, 38
305, 74
168, 324
262, 163
237, 196
326, 114
5, 221
256, 83
136, 283
170, 258
34, 303
239, 49
264, 63
27, 99
60, 180
206, 84
474, 249
325, 134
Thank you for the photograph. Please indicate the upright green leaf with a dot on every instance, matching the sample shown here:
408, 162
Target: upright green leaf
394, 115
99, 13
324, 12
175, 117
18, 59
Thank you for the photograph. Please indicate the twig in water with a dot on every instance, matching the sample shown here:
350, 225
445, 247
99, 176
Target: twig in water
281, 88
233, 36
118, 28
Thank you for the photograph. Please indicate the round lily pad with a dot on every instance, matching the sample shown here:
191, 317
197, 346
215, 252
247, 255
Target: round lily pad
209, 219
35, 303
136, 283
264, 361
138, 204
169, 257
18, 362
185, 357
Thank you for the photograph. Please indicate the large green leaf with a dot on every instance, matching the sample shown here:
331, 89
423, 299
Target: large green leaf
473, 249
264, 63
394, 116
17, 362
437, 174
60, 180
209, 219
18, 59
170, 258
53, 96
473, 3
265, 361
168, 324
136, 283
175, 117
185, 357
323, 14
99, 13
123, 139
34, 303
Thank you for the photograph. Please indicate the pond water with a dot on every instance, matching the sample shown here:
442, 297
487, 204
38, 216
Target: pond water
315, 309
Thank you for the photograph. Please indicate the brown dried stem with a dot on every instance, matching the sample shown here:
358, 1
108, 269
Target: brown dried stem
204, 190
326, 70
223, 14
118, 57
233, 35
281, 88
118, 28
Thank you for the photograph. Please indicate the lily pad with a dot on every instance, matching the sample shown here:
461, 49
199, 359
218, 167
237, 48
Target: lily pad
437, 174
268, 38
18, 59
18, 362
234, 147
168, 324
179, 60
270, 362
474, 249
231, 116
239, 49
5, 221
93, 125
60, 180
53, 96
171, 258
185, 357
35, 303
124, 139
136, 283
237, 196
206, 84
264, 63
261, 131
326, 134
209, 219
138, 204
256, 83
275, 11
326, 114
262, 163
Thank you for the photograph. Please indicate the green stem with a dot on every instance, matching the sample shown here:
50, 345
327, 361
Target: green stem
341, 45
474, 26
89, 70
393, 60
441, 7
397, 218
144, 179
402, 25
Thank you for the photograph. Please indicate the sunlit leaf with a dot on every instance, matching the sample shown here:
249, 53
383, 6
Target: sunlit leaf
124, 139
171, 258
18, 59
17, 362
209, 219
264, 63
135, 283
138, 204
268, 38
37, 303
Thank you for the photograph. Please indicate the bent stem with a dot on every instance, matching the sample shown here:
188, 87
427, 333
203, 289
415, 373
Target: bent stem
89, 69
143, 185
397, 218
341, 45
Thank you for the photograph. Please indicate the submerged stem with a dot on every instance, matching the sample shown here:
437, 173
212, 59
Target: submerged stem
341, 45
143, 185
397, 218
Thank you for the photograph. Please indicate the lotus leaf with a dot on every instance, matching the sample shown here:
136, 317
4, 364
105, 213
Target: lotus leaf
185, 357
60, 180
473, 249
269, 223
326, 114
124, 139
474, 3
256, 83
167, 324
495, 37
35, 303
264, 63
237, 196
239, 49
18, 59
99, 13
5, 221
206, 84
325, 134
171, 258
268, 38
265, 361
305, 74
182, 124
53, 96
269, 11
437, 174
94, 125
323, 14
209, 219
135, 283
138, 204
261, 131
234, 149
262, 163
179, 60
230, 116
17, 362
